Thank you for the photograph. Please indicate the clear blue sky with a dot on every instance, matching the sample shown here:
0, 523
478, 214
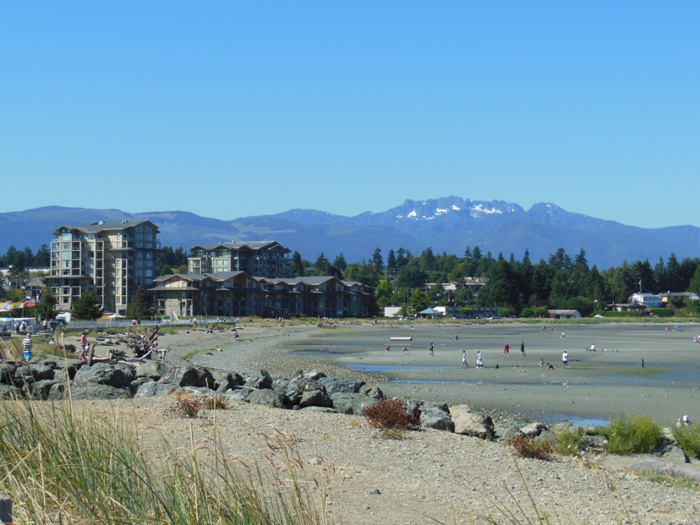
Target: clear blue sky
232, 109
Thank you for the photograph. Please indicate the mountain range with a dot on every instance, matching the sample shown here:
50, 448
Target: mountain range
449, 224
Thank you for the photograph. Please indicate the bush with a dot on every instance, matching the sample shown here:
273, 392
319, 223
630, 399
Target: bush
185, 407
392, 414
533, 449
216, 403
688, 438
569, 441
637, 435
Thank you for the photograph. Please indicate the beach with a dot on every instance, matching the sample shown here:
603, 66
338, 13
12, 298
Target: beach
597, 386
430, 475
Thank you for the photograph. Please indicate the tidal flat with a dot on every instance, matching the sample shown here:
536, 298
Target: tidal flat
597, 386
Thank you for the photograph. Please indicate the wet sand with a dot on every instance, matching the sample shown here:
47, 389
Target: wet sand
596, 387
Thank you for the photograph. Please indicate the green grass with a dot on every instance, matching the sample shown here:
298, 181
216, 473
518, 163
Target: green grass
636, 435
59, 466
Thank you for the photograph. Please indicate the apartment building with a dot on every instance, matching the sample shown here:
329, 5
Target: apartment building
234, 294
109, 258
258, 258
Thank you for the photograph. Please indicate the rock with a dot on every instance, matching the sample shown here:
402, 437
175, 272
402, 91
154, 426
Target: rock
86, 390
344, 385
316, 398
38, 372
10, 392
666, 469
471, 424
675, 454
594, 443
41, 389
152, 369
533, 429
435, 416
265, 396
152, 388
313, 374
228, 381
352, 403
103, 374
260, 380
510, 432
373, 392
296, 388
191, 375
7, 372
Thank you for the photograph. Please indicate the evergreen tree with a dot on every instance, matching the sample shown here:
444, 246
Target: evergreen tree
297, 265
140, 307
340, 263
87, 306
46, 305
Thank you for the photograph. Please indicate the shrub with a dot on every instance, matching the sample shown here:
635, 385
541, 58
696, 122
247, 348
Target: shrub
392, 414
530, 448
688, 438
569, 441
216, 403
636, 435
185, 407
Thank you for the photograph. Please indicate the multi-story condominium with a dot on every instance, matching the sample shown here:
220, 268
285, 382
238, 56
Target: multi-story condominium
109, 258
258, 258
238, 293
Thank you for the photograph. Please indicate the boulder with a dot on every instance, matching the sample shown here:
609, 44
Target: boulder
10, 392
103, 374
313, 374
315, 398
41, 389
341, 385
471, 424
352, 403
296, 388
86, 390
191, 375
150, 388
7, 372
437, 417
265, 396
373, 392
152, 369
533, 429
38, 372
259, 380
228, 381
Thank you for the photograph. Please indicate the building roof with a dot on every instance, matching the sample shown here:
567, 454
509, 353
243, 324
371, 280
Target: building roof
101, 226
247, 245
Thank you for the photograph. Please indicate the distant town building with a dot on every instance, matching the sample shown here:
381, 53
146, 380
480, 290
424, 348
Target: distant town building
649, 300
109, 258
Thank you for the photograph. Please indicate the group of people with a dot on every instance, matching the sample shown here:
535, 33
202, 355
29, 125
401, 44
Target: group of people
479, 360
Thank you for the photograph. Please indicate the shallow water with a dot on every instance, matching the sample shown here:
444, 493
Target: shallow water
598, 386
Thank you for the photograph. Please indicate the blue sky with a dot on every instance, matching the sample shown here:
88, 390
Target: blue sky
233, 109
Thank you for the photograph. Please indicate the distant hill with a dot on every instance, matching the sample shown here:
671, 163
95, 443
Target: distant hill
448, 224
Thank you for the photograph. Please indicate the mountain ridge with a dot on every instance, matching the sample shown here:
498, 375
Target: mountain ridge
447, 224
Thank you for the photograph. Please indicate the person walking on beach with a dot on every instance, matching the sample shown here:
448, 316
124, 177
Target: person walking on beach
642, 363
431, 349
479, 360
565, 359
541, 363
506, 350
522, 348
464, 360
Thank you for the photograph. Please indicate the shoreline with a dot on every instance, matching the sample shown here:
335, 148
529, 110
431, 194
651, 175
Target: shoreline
599, 385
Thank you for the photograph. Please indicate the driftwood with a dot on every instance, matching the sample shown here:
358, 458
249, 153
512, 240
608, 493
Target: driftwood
144, 345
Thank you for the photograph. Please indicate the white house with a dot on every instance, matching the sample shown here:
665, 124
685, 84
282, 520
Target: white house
649, 300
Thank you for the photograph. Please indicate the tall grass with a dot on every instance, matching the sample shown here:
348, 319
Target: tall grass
60, 466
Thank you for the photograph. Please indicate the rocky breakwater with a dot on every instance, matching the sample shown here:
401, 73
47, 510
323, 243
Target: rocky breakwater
56, 379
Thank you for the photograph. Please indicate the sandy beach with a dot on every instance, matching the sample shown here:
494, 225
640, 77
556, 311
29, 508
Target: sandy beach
434, 475
596, 387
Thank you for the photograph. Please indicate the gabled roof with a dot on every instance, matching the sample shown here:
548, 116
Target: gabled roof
254, 246
100, 226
